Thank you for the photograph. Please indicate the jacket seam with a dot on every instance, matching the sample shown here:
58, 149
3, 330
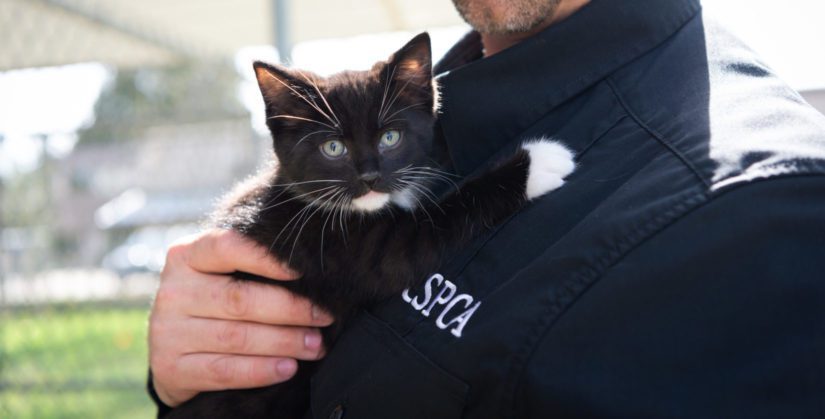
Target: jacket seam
495, 231
655, 134
586, 276
598, 138
581, 281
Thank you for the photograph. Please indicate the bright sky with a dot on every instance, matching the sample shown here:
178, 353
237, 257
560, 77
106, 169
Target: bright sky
56, 101
789, 35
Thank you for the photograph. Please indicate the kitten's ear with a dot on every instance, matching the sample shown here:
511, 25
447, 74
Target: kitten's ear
413, 62
276, 82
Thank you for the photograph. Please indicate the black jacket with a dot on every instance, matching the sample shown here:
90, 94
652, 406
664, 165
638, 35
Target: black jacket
680, 272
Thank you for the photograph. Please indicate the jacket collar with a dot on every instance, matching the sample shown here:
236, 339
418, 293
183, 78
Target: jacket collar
487, 102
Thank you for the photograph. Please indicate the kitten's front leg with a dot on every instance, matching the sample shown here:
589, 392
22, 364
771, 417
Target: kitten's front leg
538, 167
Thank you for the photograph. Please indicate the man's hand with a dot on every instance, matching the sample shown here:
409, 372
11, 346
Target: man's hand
208, 331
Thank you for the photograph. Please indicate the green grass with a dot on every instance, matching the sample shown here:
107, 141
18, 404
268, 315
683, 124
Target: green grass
74, 363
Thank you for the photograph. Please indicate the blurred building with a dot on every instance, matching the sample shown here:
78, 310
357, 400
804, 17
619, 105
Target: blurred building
169, 177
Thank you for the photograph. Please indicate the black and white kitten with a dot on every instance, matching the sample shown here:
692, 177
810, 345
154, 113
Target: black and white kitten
350, 204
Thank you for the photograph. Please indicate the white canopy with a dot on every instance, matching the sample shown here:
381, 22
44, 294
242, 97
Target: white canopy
129, 33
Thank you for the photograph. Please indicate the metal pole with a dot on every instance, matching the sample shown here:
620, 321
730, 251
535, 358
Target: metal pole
282, 31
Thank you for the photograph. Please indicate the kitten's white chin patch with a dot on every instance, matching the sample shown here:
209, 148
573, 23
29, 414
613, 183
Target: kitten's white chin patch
371, 201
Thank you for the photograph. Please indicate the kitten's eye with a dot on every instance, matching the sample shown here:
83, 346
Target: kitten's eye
390, 138
333, 148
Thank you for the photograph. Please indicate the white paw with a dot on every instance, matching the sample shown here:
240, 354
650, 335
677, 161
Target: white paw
550, 163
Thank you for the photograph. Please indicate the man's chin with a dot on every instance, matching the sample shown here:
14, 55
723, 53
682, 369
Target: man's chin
511, 18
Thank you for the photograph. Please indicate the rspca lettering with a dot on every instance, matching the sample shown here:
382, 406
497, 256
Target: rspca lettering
440, 296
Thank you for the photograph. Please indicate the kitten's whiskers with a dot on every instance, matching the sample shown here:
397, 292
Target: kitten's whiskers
296, 197
299, 214
425, 192
306, 220
299, 118
304, 98
304, 182
402, 110
286, 186
337, 198
298, 217
414, 187
329, 108
384, 96
430, 172
344, 208
393, 98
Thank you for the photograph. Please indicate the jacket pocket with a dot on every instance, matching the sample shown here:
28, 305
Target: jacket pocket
372, 372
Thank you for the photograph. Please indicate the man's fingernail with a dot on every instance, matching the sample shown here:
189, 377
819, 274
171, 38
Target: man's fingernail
312, 340
320, 315
287, 367
291, 272
283, 267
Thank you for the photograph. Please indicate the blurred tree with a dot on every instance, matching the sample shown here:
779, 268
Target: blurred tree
133, 101
190, 91
25, 200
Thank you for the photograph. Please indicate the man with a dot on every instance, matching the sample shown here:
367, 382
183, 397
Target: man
679, 272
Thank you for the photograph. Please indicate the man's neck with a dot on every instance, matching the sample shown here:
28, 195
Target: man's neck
494, 43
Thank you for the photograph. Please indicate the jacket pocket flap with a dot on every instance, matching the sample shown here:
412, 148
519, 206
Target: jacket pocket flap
374, 372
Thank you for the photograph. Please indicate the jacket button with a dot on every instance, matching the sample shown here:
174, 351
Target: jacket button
337, 413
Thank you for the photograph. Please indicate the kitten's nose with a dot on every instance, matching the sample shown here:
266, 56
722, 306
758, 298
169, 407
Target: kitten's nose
370, 178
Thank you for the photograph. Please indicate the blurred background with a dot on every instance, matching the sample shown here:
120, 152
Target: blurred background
122, 121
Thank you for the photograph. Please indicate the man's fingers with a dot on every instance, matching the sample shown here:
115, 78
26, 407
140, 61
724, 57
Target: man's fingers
222, 297
210, 372
208, 331
247, 338
226, 251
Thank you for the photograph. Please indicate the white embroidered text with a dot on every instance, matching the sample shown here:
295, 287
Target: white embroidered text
440, 294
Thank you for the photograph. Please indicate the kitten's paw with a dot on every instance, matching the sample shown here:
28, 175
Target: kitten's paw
550, 163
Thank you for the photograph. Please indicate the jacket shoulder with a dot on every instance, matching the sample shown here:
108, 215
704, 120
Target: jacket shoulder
723, 112
728, 297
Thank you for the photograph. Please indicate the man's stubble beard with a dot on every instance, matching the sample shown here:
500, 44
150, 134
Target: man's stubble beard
505, 17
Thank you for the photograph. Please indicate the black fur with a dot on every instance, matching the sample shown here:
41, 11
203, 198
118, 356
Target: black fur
351, 259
